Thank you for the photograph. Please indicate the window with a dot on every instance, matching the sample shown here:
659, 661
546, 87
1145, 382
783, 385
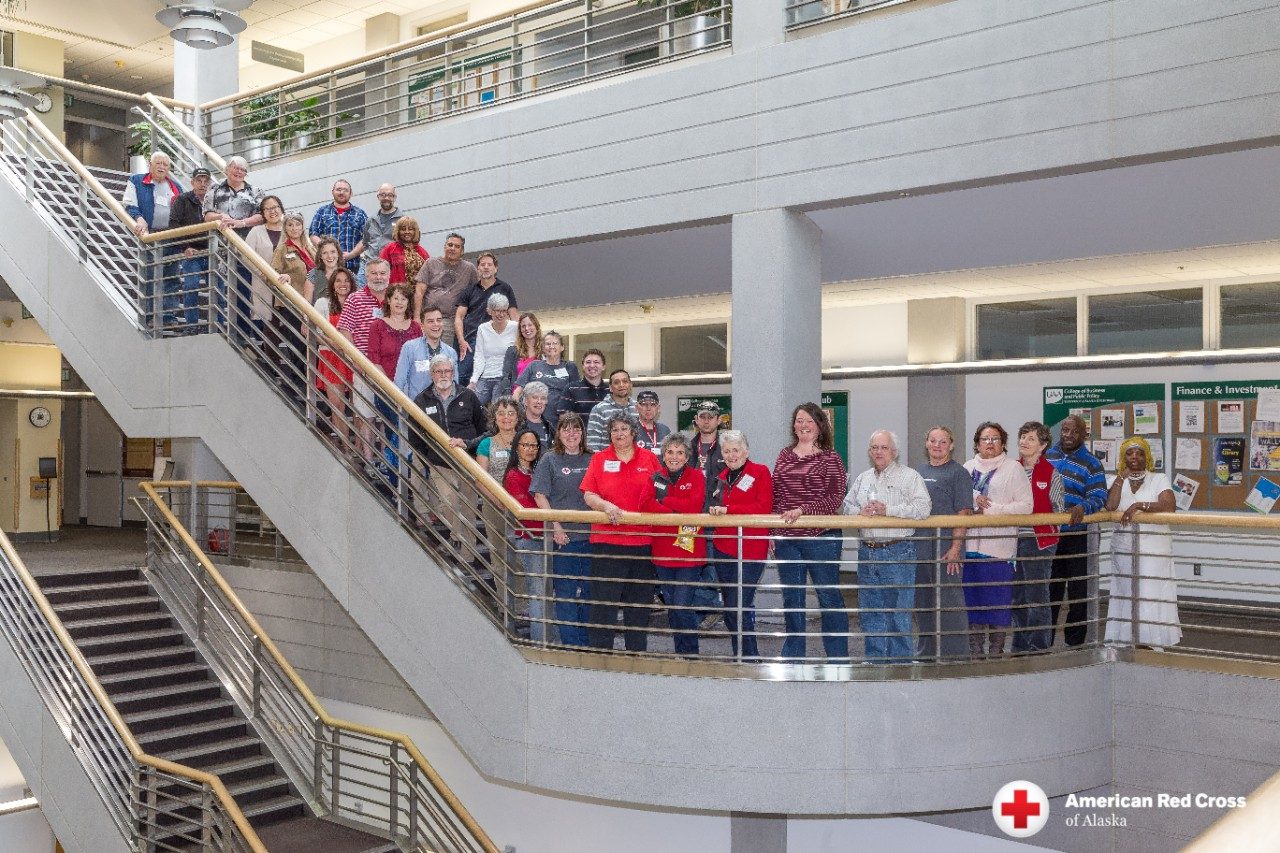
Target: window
1042, 327
1154, 321
6, 49
694, 349
612, 344
1251, 315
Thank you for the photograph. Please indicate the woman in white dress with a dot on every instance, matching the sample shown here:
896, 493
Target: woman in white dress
1138, 489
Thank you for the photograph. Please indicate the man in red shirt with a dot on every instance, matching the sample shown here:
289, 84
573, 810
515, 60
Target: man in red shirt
618, 480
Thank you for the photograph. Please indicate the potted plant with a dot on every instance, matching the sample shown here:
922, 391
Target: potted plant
691, 24
144, 141
300, 123
260, 124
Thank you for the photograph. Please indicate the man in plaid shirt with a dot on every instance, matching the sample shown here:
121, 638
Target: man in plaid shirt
344, 222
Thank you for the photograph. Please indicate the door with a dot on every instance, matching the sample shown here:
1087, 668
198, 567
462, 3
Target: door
103, 448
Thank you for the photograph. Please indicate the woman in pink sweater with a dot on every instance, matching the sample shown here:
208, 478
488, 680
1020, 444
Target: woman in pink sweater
1000, 487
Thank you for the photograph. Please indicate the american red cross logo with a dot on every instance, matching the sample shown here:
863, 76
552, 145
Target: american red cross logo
1019, 809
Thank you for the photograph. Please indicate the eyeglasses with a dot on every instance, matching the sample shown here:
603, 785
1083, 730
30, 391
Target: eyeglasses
526, 445
995, 439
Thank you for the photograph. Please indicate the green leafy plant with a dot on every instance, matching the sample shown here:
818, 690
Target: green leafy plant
144, 141
260, 117
301, 118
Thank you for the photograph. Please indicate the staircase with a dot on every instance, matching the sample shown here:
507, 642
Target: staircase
179, 710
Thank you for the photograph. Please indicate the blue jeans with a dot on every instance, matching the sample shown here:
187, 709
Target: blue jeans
467, 363
163, 286
886, 596
1032, 631
360, 276
820, 557
531, 564
571, 570
727, 574
680, 615
194, 272
487, 389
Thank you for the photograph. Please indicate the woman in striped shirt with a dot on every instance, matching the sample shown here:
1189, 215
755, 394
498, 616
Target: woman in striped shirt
809, 479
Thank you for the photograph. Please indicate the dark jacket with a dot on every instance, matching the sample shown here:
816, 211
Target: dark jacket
186, 211
582, 397
464, 418
710, 466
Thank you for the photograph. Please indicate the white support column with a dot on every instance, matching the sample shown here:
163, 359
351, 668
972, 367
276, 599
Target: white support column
758, 24
199, 76
777, 324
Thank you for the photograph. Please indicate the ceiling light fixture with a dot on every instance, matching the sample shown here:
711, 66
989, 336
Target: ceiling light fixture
14, 102
203, 24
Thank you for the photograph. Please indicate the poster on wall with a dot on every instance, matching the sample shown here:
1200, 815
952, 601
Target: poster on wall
1060, 401
1146, 419
1105, 450
1228, 461
1268, 404
1157, 453
1231, 416
1184, 491
1112, 423
1191, 416
1264, 446
1263, 497
686, 406
1188, 454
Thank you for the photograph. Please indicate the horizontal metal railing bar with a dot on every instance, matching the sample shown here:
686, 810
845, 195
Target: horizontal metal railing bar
214, 158
852, 9
108, 707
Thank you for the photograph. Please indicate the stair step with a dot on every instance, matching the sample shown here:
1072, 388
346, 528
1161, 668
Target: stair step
276, 808
162, 741
258, 789
136, 641
137, 700
101, 626
165, 717
246, 767
134, 662
206, 756
96, 591
159, 676
80, 577
71, 610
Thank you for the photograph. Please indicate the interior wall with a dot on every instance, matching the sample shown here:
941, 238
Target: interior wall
43, 56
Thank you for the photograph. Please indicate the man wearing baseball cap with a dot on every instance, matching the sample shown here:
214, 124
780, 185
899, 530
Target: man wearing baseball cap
187, 210
704, 454
647, 412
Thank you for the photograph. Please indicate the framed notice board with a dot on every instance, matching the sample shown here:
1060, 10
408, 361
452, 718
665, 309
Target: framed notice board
1225, 456
1111, 413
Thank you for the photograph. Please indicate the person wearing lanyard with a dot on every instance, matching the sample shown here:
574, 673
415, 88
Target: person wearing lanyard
705, 446
652, 432
886, 556
619, 480
743, 488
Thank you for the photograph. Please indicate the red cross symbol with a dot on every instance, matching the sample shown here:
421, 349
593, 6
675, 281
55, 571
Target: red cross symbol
1020, 809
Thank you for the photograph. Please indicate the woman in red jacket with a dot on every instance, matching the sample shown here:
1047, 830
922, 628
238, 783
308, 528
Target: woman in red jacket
679, 553
743, 488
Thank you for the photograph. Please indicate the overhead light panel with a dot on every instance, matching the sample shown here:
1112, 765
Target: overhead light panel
14, 100
203, 24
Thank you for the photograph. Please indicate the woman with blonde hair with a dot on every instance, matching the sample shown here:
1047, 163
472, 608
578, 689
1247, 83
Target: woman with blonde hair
525, 351
404, 253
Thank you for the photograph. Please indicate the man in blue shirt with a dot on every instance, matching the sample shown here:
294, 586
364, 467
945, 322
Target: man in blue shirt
344, 222
413, 371
1085, 492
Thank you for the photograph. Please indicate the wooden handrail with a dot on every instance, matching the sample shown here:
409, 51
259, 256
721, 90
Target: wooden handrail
213, 156
118, 94
1252, 828
409, 44
108, 707
436, 781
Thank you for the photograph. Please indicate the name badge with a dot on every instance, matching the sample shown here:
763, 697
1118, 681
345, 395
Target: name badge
422, 365
290, 256
562, 373
431, 410
613, 466
376, 314
745, 482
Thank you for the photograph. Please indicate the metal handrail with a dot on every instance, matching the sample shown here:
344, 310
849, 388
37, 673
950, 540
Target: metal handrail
804, 13
612, 37
253, 637
213, 159
93, 699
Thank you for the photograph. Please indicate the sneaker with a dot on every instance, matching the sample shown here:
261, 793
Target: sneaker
709, 621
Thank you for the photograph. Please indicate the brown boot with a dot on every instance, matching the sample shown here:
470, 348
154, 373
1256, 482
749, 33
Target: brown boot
997, 644
976, 638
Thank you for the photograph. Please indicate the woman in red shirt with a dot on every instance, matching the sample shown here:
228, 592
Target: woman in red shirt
527, 538
679, 553
403, 253
389, 334
335, 374
618, 480
743, 488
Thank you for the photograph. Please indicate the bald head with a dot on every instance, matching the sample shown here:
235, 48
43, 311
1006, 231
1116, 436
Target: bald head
1072, 433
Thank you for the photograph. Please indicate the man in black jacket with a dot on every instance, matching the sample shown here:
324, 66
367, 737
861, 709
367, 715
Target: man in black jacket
457, 411
187, 210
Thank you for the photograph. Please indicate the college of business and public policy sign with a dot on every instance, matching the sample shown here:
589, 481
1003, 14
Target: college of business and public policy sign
1061, 401
834, 403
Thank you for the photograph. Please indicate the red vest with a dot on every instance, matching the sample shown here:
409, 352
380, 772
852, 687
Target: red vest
1041, 481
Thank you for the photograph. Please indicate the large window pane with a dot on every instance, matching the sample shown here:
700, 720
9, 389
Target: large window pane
609, 343
1251, 315
1153, 321
1040, 327
695, 349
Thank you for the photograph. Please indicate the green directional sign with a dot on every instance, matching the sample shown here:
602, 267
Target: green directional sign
1062, 400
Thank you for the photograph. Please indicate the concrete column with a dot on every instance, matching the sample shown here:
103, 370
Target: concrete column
380, 31
936, 332
758, 24
756, 833
776, 324
199, 76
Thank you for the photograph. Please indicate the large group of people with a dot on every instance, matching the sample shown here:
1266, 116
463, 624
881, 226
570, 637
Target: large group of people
450, 335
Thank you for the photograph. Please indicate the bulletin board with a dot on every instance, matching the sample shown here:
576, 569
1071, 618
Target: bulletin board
1112, 413
1225, 457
